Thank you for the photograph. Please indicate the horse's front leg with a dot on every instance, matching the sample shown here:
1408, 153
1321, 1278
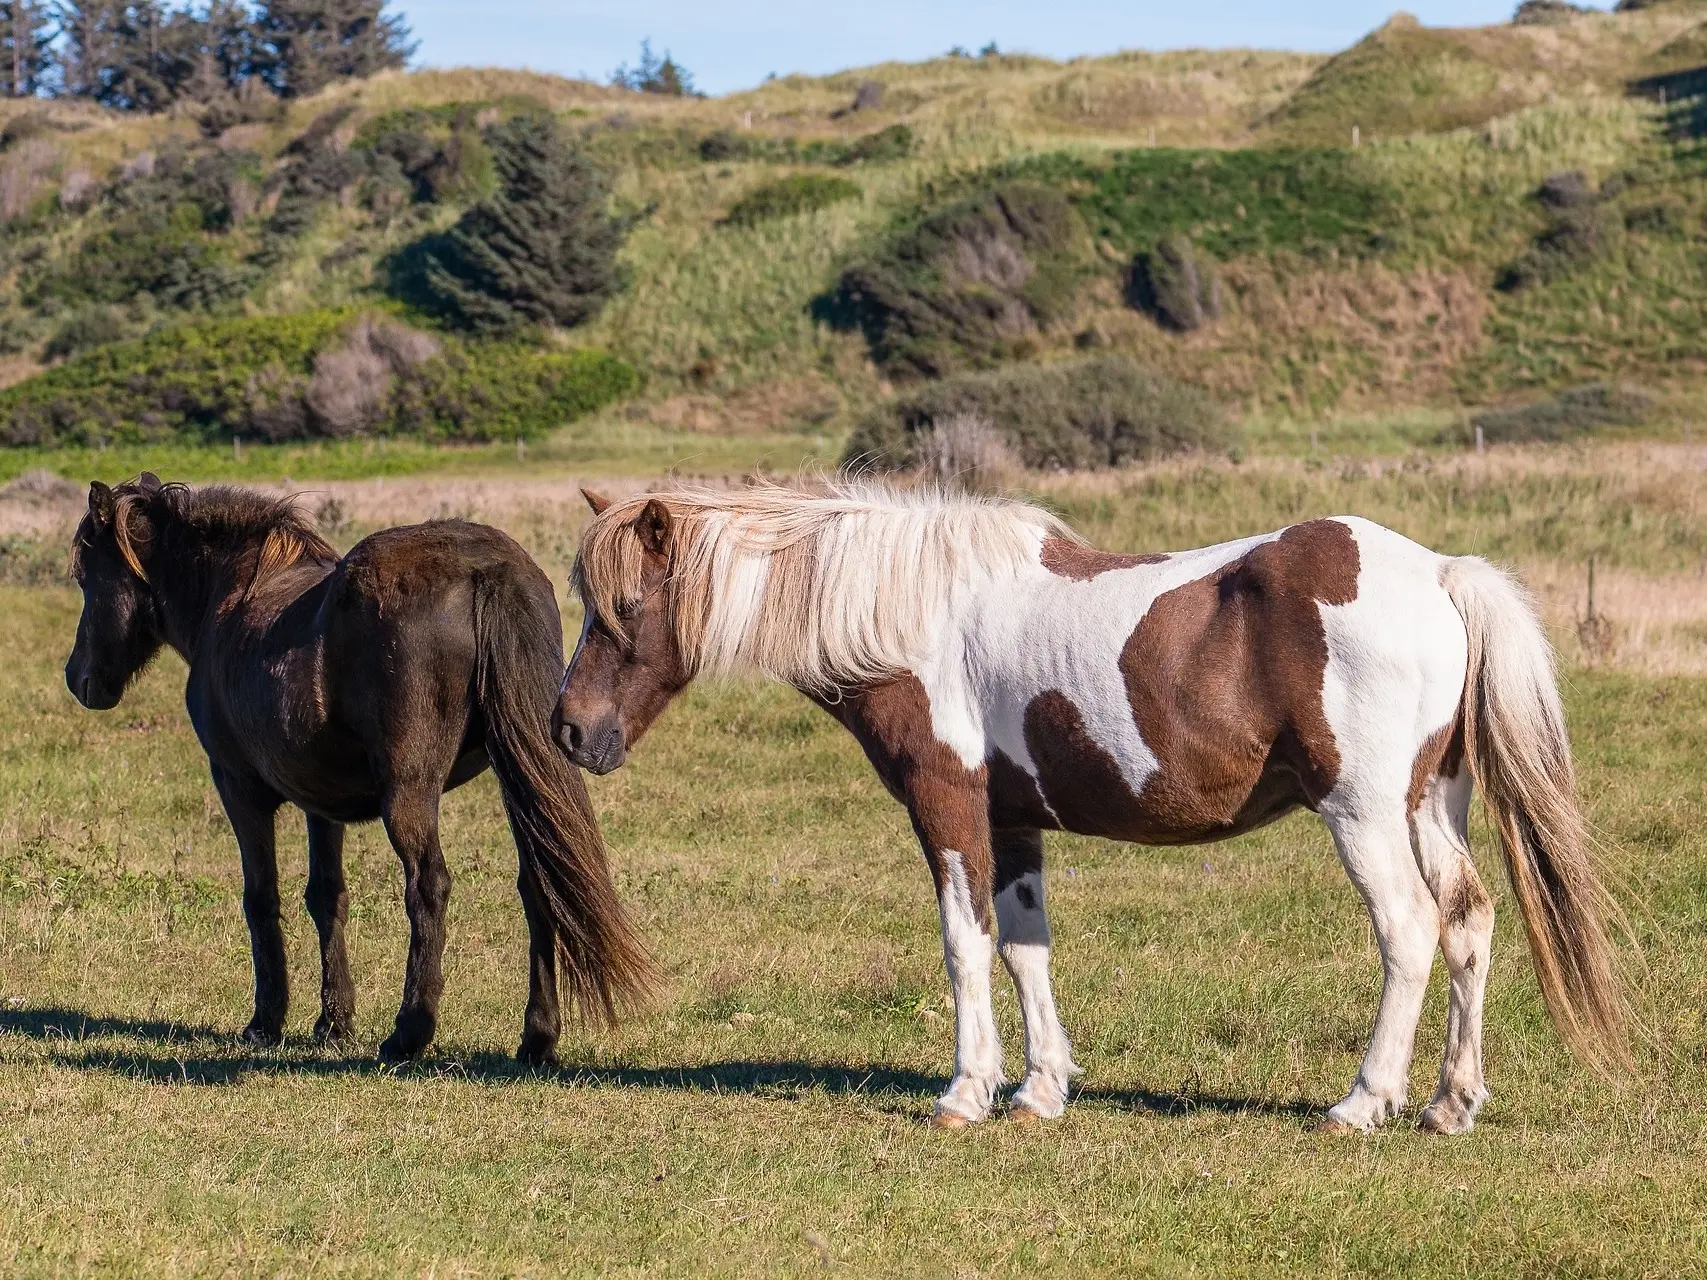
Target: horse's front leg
251, 808
951, 818
328, 901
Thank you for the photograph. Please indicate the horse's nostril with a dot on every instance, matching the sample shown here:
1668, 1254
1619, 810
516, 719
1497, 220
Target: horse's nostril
83, 690
576, 737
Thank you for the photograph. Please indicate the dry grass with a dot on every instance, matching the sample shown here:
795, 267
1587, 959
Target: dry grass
1640, 510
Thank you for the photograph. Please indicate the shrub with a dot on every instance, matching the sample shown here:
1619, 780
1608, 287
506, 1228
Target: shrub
1574, 237
787, 197
725, 144
963, 451
1170, 285
966, 286
1100, 412
90, 327
897, 142
1567, 189
1572, 412
314, 374
540, 251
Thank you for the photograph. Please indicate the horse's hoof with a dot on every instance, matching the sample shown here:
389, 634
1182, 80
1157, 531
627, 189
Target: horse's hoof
394, 1050
1443, 1121
262, 1037
330, 1032
1024, 1115
540, 1057
948, 1120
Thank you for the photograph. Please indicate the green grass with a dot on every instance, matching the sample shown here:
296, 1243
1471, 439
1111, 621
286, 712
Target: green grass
605, 446
1217, 996
1230, 202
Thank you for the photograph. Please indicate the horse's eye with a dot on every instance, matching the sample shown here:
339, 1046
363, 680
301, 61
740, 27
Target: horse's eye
626, 609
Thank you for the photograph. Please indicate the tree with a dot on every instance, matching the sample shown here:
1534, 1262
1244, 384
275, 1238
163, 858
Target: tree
156, 53
654, 75
26, 39
542, 250
304, 45
91, 46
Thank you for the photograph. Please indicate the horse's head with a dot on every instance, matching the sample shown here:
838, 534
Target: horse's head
629, 663
120, 630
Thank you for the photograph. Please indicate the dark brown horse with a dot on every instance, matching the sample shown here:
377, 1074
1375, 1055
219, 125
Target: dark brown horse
360, 688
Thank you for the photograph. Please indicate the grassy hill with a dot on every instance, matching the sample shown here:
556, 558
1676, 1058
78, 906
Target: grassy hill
1428, 269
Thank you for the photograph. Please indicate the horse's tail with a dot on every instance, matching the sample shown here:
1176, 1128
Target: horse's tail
1514, 731
519, 639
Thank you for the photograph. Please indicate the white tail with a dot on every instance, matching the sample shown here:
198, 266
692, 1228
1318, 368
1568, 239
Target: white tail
1520, 753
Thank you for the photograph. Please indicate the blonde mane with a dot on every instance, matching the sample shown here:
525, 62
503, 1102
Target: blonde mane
839, 587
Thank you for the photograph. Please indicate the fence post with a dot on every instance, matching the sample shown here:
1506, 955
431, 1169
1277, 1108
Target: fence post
1481, 442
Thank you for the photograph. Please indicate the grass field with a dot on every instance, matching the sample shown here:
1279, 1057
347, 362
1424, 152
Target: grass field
768, 1115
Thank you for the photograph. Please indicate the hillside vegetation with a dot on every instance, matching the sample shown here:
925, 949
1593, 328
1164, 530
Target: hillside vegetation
1523, 212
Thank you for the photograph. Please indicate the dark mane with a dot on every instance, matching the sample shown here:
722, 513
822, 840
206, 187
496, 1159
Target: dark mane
222, 517
230, 517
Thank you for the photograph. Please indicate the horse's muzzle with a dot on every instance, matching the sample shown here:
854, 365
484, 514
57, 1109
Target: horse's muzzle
92, 693
598, 749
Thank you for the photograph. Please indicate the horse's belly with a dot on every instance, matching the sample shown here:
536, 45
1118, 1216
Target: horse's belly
1088, 790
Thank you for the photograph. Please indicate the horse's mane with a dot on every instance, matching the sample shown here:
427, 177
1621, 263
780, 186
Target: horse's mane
222, 516
837, 587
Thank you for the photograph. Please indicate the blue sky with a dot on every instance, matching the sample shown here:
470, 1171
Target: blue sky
733, 44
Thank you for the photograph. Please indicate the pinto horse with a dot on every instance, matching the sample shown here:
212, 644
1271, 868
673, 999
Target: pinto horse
360, 688
1004, 678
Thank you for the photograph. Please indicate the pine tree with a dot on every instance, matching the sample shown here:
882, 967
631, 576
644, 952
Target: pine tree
91, 46
26, 39
543, 249
655, 75
231, 39
307, 44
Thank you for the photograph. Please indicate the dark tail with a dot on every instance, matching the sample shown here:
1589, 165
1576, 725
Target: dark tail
603, 963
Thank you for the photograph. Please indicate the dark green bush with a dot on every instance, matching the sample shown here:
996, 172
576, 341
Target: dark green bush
967, 286
897, 142
787, 197
90, 327
1171, 285
542, 250
1574, 237
258, 378
1573, 412
1100, 412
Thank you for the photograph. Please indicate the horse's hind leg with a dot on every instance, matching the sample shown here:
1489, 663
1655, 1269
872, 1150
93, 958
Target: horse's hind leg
251, 809
543, 1022
411, 814
1441, 825
1025, 951
328, 902
1376, 851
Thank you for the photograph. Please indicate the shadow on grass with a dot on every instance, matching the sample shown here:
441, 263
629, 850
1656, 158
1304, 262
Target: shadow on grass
76, 1024
906, 1090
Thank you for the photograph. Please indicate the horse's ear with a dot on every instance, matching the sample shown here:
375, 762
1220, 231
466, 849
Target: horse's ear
101, 503
653, 526
148, 482
597, 501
